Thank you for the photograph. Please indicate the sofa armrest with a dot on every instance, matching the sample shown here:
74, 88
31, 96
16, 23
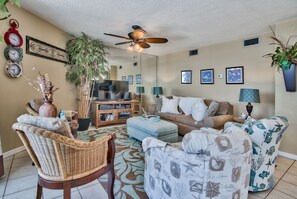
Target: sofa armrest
151, 142
218, 121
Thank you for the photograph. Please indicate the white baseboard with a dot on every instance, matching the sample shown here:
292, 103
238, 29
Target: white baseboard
13, 151
287, 155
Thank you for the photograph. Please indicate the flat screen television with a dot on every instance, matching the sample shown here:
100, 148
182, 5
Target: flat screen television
111, 90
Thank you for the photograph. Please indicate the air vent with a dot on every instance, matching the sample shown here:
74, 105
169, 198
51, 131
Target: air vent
251, 42
193, 52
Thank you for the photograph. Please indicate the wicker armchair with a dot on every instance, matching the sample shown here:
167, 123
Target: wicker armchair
63, 162
31, 110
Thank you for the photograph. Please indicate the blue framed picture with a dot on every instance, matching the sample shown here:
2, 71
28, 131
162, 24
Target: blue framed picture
130, 79
235, 75
186, 77
124, 78
138, 79
207, 76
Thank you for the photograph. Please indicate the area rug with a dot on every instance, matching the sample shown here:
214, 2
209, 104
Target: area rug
129, 162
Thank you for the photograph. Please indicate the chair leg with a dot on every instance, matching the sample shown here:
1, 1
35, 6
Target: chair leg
67, 190
39, 191
110, 183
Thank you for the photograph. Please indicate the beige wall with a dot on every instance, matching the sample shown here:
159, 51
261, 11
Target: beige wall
15, 93
257, 74
286, 102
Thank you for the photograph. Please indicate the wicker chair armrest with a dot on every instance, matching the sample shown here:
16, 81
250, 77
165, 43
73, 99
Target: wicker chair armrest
30, 110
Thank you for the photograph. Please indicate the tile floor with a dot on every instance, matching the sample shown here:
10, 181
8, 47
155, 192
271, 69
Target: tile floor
20, 181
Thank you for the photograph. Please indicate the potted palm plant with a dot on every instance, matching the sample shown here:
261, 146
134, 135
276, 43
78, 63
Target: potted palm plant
285, 58
87, 63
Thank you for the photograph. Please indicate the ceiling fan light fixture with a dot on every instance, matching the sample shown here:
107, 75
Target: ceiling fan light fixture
139, 33
130, 48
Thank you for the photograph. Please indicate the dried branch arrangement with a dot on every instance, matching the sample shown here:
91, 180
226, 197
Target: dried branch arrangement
43, 85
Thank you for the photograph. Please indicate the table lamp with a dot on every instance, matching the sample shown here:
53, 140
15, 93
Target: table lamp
140, 90
249, 95
157, 91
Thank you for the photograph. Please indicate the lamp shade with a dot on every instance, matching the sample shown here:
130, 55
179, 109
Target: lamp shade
249, 95
139, 89
157, 91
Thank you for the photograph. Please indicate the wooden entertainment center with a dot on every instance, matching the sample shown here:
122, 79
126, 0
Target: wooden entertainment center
111, 112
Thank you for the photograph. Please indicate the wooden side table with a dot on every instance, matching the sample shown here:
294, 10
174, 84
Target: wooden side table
239, 120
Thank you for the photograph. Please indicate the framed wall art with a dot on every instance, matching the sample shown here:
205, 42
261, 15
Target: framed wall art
235, 75
124, 78
45, 50
207, 76
186, 77
138, 79
130, 79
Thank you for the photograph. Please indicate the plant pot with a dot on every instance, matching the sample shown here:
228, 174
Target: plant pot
47, 109
290, 78
83, 123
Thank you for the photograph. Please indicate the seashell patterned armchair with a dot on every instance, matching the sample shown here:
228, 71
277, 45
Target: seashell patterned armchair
63, 162
207, 164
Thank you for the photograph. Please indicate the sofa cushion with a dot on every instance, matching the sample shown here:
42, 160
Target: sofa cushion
223, 108
198, 110
49, 123
35, 104
186, 103
186, 119
167, 116
169, 105
212, 109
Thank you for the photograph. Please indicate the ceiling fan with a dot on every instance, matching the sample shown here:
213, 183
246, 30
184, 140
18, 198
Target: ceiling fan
136, 39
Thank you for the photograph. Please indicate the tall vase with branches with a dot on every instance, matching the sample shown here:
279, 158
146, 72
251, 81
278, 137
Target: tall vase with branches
87, 63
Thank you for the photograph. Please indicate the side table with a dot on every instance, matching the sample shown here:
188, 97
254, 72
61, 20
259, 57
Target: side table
239, 120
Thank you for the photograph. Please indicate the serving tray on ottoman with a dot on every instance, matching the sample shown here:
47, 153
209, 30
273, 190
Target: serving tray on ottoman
162, 130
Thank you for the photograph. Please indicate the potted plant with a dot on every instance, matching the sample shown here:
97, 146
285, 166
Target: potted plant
285, 58
87, 63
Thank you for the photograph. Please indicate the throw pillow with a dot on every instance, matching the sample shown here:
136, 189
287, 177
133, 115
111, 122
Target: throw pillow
35, 104
198, 110
158, 104
186, 103
212, 109
56, 125
223, 108
169, 105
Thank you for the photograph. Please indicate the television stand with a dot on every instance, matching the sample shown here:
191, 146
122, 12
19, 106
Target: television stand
110, 112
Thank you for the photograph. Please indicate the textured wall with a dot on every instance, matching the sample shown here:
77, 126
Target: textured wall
15, 93
286, 102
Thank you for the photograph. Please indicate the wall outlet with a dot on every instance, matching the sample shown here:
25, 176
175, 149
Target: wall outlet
220, 76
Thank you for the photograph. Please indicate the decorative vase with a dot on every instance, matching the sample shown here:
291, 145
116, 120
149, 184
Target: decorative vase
290, 78
83, 123
47, 109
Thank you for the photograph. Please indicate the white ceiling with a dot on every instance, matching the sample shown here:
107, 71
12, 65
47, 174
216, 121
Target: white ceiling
188, 24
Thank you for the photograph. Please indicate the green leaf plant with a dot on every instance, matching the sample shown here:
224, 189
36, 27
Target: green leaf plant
87, 64
284, 55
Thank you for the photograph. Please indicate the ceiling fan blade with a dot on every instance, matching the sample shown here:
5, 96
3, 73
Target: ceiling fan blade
125, 42
143, 45
113, 35
156, 40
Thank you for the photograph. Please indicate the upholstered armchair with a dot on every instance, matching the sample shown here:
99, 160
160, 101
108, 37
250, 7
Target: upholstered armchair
62, 161
266, 135
207, 164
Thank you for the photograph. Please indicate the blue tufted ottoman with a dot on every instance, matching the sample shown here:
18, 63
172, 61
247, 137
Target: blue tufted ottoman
162, 130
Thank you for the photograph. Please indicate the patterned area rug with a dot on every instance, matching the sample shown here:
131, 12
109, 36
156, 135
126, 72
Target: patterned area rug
129, 162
